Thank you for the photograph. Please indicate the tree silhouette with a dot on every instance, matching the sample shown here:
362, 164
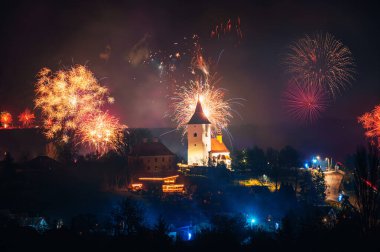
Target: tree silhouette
366, 186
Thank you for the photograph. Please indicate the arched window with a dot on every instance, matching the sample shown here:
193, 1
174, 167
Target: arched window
195, 134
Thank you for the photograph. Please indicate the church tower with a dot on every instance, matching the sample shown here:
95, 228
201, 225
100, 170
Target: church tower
198, 138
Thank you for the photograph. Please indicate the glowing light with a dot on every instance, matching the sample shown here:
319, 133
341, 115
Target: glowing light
173, 188
340, 197
314, 160
170, 179
6, 119
321, 60
189, 236
26, 118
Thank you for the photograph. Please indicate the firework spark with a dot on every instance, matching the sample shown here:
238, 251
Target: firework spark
305, 103
5, 119
228, 27
26, 118
215, 106
65, 97
321, 60
101, 132
371, 123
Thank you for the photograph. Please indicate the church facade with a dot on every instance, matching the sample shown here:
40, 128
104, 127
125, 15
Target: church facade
202, 149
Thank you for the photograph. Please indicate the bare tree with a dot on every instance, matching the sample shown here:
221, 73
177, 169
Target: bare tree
366, 189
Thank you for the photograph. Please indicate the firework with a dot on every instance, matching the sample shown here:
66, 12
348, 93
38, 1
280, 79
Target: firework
65, 97
215, 106
5, 119
371, 123
305, 103
101, 132
321, 60
228, 27
26, 118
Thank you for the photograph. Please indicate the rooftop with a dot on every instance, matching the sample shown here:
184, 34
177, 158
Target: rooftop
199, 116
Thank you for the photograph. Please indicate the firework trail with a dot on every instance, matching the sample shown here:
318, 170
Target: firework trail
6, 119
305, 103
371, 124
101, 133
321, 60
222, 29
26, 118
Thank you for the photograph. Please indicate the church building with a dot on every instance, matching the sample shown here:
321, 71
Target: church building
202, 149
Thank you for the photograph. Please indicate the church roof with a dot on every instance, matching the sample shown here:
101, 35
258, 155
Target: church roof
217, 146
199, 116
151, 149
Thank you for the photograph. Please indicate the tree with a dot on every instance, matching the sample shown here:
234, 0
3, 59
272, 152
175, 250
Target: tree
256, 160
289, 162
319, 183
128, 217
366, 186
273, 161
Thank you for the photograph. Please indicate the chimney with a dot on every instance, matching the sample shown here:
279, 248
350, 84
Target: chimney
219, 136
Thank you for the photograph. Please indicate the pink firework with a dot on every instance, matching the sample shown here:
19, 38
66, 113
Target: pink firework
305, 102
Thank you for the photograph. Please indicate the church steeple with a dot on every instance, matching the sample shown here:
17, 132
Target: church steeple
199, 116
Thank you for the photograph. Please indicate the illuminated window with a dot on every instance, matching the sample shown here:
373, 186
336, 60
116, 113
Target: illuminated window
195, 134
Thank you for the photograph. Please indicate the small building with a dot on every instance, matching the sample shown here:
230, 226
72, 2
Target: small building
219, 152
152, 158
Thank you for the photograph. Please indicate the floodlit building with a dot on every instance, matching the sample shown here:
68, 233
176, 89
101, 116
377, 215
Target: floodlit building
202, 149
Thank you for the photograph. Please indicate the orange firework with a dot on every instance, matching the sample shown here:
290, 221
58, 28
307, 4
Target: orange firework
371, 123
5, 119
26, 118
101, 132
65, 97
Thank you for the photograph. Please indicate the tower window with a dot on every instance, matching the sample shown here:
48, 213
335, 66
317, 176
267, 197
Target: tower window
195, 134
195, 144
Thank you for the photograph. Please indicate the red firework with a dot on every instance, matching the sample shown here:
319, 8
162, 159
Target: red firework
5, 119
26, 118
371, 123
305, 102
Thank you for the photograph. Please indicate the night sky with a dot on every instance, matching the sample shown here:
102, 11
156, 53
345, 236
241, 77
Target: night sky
57, 35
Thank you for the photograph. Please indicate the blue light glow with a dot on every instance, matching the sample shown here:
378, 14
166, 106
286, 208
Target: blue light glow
340, 197
306, 165
189, 236
277, 226
314, 160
